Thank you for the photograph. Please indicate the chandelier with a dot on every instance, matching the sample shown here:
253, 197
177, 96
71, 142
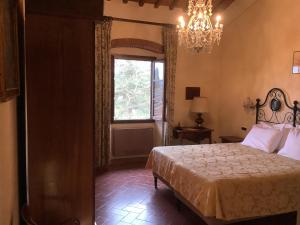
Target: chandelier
198, 33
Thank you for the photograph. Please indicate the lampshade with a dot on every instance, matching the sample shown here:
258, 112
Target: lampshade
199, 105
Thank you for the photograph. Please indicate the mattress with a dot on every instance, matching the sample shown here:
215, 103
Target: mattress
230, 181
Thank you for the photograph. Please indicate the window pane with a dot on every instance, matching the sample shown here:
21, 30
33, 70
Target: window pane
132, 89
158, 91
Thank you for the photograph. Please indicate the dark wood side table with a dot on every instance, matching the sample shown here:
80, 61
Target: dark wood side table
231, 139
192, 134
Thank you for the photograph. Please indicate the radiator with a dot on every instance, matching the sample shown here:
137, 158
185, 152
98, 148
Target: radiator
131, 142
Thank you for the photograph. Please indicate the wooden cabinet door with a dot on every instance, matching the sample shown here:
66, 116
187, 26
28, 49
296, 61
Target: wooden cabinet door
60, 112
92, 9
9, 65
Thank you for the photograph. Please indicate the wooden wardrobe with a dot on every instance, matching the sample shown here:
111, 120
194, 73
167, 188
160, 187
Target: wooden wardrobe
60, 72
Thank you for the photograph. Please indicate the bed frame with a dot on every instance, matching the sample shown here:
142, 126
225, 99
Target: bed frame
280, 219
279, 111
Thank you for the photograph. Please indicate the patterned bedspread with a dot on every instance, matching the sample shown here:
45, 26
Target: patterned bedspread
230, 181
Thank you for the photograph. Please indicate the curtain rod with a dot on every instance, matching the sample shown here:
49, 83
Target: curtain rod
140, 21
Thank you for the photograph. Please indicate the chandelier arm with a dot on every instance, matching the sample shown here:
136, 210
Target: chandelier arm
199, 34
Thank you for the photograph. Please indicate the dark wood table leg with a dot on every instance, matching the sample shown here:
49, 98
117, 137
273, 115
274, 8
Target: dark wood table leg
155, 182
180, 140
178, 204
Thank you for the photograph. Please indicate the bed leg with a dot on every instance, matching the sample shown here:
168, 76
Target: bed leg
155, 182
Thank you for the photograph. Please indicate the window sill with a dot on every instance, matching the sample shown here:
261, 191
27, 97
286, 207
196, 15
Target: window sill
132, 121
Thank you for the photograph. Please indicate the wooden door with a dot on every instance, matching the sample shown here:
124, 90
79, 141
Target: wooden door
92, 9
9, 61
60, 112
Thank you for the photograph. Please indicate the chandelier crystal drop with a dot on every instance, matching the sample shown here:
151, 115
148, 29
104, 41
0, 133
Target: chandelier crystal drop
196, 31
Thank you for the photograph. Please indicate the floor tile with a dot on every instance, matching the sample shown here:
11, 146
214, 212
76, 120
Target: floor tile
130, 217
128, 197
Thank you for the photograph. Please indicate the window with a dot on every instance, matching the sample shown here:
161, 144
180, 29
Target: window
134, 84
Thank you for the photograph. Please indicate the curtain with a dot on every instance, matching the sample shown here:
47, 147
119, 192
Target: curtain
102, 92
170, 40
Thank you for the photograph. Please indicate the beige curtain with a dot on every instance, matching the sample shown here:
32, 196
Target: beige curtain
102, 92
170, 40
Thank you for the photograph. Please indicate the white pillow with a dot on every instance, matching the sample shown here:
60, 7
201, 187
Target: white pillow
284, 127
264, 125
265, 139
291, 148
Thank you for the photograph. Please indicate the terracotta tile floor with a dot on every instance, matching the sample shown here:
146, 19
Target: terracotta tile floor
128, 196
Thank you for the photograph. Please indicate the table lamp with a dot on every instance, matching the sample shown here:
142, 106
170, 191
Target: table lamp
199, 106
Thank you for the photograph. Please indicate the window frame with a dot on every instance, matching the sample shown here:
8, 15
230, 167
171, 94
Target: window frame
164, 90
137, 58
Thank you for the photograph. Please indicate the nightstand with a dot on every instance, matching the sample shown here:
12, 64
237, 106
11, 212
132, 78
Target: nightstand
192, 134
231, 139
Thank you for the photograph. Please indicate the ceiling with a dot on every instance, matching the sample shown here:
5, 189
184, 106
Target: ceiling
219, 5
158, 11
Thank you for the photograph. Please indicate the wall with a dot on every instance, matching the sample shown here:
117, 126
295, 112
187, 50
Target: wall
140, 31
197, 70
257, 52
192, 69
135, 30
8, 164
255, 55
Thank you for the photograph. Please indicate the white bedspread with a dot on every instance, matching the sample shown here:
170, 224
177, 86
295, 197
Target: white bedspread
230, 181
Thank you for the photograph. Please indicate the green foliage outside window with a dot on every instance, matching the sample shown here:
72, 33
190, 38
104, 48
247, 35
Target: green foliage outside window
132, 89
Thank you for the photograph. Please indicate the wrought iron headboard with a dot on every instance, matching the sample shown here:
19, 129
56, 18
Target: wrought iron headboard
280, 111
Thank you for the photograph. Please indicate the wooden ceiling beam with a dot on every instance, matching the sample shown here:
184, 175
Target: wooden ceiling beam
157, 3
218, 5
172, 4
141, 3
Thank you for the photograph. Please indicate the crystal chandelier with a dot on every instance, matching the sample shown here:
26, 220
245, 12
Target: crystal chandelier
198, 33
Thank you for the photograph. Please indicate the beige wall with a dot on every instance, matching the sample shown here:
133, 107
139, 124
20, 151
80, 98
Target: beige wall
8, 164
192, 70
197, 70
256, 55
135, 30
140, 31
132, 10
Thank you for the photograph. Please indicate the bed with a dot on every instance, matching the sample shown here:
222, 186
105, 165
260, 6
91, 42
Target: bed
234, 183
